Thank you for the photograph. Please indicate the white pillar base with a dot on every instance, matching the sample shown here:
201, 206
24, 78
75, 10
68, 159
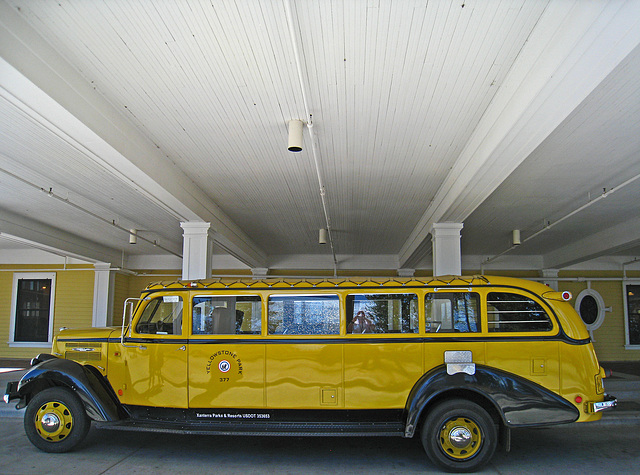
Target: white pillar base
445, 239
197, 250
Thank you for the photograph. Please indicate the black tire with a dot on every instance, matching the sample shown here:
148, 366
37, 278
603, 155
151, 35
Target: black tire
55, 420
459, 436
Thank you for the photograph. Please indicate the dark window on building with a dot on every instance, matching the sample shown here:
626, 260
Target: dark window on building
32, 310
589, 309
507, 312
633, 314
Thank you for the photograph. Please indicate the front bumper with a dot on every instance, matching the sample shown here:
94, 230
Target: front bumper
609, 403
11, 392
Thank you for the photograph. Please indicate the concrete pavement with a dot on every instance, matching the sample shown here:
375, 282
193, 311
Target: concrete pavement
608, 446
568, 449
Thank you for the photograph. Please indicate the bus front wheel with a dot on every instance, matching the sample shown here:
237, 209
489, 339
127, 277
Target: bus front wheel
55, 420
459, 435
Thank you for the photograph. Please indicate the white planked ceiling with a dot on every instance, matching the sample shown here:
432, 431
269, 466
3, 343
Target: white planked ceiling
181, 111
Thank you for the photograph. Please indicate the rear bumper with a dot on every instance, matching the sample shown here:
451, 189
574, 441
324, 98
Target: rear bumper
609, 403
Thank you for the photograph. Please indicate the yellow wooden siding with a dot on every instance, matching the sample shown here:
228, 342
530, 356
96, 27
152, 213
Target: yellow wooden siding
73, 302
74, 299
609, 339
120, 294
6, 283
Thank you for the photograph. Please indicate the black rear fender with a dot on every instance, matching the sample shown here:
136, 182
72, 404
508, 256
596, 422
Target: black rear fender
517, 402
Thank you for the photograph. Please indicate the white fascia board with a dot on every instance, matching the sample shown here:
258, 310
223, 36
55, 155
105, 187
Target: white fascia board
325, 262
572, 49
36, 256
44, 85
41, 236
609, 241
473, 263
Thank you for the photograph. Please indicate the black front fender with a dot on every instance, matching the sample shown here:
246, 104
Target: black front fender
519, 401
98, 397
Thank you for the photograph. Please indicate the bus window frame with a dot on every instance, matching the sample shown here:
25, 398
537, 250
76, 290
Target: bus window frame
209, 336
419, 298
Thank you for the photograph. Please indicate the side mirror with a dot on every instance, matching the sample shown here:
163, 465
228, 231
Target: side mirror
128, 304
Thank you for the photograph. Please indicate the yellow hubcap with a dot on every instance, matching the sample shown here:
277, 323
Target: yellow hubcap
460, 438
53, 421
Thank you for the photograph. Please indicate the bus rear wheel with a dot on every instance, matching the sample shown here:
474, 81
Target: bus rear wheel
459, 436
55, 420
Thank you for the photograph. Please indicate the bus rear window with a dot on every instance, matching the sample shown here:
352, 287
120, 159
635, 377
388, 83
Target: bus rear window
509, 312
449, 312
304, 315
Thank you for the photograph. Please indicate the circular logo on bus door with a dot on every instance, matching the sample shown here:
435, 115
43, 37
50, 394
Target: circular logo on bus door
224, 366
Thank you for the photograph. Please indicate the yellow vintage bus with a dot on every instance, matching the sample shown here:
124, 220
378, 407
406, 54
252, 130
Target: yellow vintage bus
456, 361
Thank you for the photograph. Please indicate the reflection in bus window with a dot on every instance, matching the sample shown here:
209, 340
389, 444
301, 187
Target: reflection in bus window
226, 315
304, 315
448, 312
162, 316
382, 313
509, 312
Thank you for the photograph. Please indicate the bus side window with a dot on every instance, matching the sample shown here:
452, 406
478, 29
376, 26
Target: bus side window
304, 314
162, 316
382, 313
509, 312
448, 312
226, 315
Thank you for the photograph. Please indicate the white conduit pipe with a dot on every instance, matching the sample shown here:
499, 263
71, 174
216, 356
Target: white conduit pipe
53, 195
296, 53
604, 194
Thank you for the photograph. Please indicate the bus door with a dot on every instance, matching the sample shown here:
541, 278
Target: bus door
453, 323
382, 360
153, 363
226, 352
519, 328
304, 354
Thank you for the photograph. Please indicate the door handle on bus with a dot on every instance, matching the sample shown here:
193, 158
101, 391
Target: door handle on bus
182, 348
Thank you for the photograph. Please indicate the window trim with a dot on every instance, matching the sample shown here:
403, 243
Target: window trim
418, 299
547, 309
337, 296
625, 283
14, 304
481, 317
225, 335
601, 308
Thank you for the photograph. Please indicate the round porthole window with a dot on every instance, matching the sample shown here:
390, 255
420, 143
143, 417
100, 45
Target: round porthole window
590, 307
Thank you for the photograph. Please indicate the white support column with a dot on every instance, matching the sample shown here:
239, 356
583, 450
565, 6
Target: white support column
103, 295
551, 274
445, 238
197, 250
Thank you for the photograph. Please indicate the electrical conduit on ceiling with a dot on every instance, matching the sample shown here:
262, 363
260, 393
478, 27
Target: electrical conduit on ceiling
50, 193
303, 88
604, 194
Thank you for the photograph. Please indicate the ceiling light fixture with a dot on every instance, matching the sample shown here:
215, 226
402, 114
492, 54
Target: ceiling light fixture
322, 236
133, 236
516, 237
295, 135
